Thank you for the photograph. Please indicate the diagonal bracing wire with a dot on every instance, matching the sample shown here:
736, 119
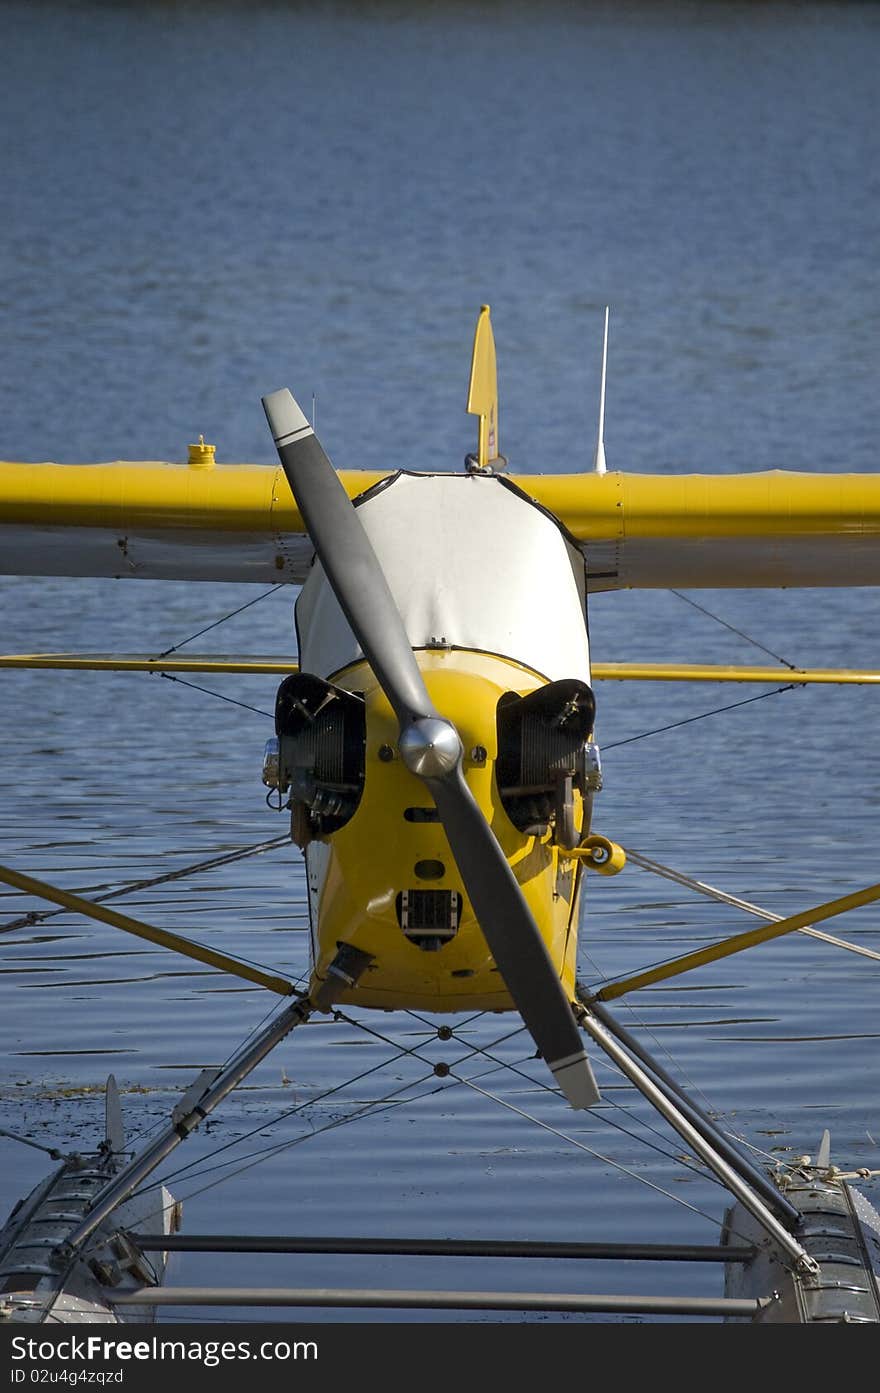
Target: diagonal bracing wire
689, 720
582, 1146
208, 627
485, 1052
37, 916
700, 886
733, 629
392, 1101
246, 706
273, 1122
372, 1108
244, 1163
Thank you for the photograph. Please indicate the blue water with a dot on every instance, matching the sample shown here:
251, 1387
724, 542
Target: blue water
205, 202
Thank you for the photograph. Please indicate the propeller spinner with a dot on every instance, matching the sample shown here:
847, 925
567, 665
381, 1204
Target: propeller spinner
431, 748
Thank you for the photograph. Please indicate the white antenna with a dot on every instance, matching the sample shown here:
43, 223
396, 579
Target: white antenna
314, 412
599, 457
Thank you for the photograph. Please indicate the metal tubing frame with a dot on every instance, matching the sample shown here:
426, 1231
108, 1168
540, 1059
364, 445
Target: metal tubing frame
748, 1308
438, 1247
741, 1163
663, 1094
801, 1259
138, 1169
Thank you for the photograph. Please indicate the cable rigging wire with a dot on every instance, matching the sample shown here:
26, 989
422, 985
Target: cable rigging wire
484, 1052
242, 1164
166, 652
689, 720
171, 677
734, 630
37, 916
391, 1102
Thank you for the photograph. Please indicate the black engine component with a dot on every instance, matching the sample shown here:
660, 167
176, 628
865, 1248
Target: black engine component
541, 756
321, 733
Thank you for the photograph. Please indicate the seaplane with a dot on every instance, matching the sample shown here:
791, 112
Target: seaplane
435, 747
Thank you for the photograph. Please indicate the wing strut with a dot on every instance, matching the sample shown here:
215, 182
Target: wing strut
199, 951
736, 944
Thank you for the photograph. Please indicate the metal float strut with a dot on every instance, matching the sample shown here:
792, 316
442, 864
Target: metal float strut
741, 1163
343, 971
224, 1082
707, 1153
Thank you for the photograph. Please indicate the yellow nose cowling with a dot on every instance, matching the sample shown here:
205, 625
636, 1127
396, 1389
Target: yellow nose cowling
394, 854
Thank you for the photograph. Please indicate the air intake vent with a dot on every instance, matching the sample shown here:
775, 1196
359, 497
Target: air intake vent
429, 918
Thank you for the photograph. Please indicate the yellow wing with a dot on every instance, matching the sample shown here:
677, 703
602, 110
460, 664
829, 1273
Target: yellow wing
156, 521
691, 531
239, 522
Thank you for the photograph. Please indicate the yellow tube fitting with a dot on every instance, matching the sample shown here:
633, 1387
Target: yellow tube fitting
201, 456
599, 854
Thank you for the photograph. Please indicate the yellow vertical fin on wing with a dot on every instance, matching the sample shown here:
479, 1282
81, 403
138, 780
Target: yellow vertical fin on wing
483, 390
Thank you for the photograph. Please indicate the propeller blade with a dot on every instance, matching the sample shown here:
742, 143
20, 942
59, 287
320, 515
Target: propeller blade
431, 748
348, 558
513, 937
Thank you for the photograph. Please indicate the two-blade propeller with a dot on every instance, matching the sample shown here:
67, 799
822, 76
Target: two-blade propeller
431, 748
